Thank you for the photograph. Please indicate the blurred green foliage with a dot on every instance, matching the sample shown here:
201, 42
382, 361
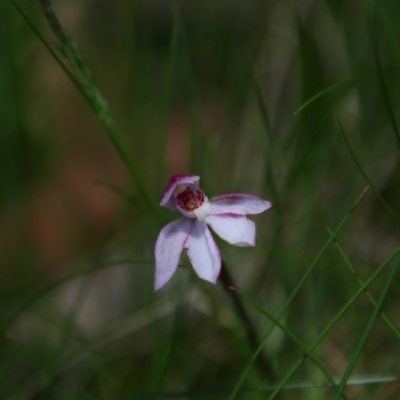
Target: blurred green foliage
212, 88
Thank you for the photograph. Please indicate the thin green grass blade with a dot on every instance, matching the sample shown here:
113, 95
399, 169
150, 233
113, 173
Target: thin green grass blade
83, 348
206, 393
263, 109
291, 336
268, 167
10, 119
394, 41
196, 136
294, 174
32, 299
126, 196
291, 297
168, 96
382, 84
53, 366
360, 282
165, 357
336, 318
94, 98
325, 91
70, 75
367, 331
363, 173
82, 293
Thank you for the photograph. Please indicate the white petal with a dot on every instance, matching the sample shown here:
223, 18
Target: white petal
168, 249
235, 229
238, 203
203, 211
167, 200
203, 252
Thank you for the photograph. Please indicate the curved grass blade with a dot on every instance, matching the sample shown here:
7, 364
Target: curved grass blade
391, 34
367, 331
51, 51
376, 192
373, 301
381, 81
290, 335
91, 93
165, 354
347, 82
291, 297
336, 318
269, 169
48, 373
168, 96
35, 297
385, 93
206, 393
82, 349
196, 143
126, 196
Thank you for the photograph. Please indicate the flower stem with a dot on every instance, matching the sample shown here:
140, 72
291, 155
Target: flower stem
263, 363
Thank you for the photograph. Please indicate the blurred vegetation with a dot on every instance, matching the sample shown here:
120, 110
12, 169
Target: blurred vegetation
255, 97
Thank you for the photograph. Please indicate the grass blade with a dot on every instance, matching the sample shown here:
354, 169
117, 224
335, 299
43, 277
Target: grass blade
86, 86
291, 297
373, 301
336, 318
381, 81
168, 96
367, 331
348, 82
291, 336
376, 192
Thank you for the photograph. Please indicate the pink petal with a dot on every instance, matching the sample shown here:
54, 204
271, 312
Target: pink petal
166, 199
168, 249
238, 203
235, 229
203, 252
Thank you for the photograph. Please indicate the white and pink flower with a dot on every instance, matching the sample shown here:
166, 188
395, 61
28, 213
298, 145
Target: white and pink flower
226, 214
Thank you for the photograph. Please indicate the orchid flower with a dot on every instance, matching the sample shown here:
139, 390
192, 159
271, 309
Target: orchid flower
226, 214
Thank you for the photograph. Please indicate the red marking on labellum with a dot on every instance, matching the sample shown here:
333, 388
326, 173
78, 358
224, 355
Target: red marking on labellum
190, 199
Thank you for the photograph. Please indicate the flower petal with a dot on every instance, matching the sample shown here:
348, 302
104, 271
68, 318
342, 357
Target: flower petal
238, 203
235, 229
203, 252
166, 199
168, 249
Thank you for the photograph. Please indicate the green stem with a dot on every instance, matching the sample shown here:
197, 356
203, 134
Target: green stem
82, 78
264, 365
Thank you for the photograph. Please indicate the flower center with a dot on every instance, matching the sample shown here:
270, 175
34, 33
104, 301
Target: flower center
189, 200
